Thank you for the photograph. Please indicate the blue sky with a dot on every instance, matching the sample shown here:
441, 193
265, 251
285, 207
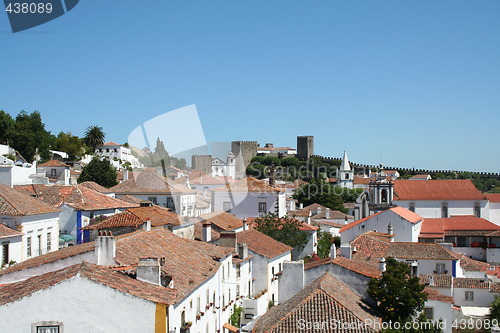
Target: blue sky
410, 83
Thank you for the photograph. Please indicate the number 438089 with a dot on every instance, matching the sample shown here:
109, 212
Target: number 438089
29, 8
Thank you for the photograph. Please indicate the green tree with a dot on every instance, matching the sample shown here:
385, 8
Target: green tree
325, 241
28, 134
285, 230
270, 160
495, 309
290, 162
99, 171
399, 294
6, 125
321, 192
235, 317
94, 136
70, 144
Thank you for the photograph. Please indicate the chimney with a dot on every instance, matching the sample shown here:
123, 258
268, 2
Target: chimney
301, 205
146, 225
105, 249
390, 229
149, 270
228, 239
207, 231
431, 281
125, 174
327, 213
345, 250
382, 265
333, 252
319, 210
272, 179
269, 145
245, 224
242, 251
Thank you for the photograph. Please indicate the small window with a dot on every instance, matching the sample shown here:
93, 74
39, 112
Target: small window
49, 242
469, 295
444, 210
347, 176
440, 268
272, 270
5, 253
53, 172
477, 210
429, 313
40, 245
262, 207
47, 329
28, 247
412, 207
198, 305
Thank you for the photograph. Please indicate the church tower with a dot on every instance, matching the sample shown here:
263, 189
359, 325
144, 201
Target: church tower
345, 174
231, 165
381, 193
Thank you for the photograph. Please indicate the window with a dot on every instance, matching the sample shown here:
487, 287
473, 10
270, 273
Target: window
5, 253
272, 270
384, 196
198, 305
153, 200
444, 210
49, 241
248, 316
53, 172
469, 295
28, 247
262, 207
238, 270
429, 313
440, 268
477, 210
279, 266
39, 237
47, 329
237, 290
412, 207
208, 296
226, 206
346, 176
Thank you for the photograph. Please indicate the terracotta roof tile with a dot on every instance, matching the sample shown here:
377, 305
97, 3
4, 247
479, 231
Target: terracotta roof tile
148, 181
439, 280
492, 197
99, 274
471, 265
434, 295
449, 189
54, 163
262, 244
248, 184
198, 232
76, 196
322, 301
96, 187
455, 225
222, 219
402, 212
470, 283
5, 231
109, 143
358, 266
15, 203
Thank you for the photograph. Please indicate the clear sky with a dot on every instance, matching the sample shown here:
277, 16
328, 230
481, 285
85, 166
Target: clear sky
411, 83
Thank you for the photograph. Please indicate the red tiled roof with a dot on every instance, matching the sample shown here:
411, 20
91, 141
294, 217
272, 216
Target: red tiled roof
434, 295
76, 196
471, 265
198, 232
275, 148
8, 232
205, 179
440, 280
402, 212
470, 283
133, 200
223, 220
99, 274
308, 227
109, 143
439, 227
262, 244
96, 187
54, 163
248, 184
492, 197
148, 181
322, 301
420, 177
15, 203
362, 181
355, 266
449, 189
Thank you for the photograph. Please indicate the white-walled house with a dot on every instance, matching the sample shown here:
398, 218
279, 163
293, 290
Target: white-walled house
493, 207
404, 225
11, 242
249, 197
224, 169
115, 151
201, 276
37, 221
78, 206
56, 171
148, 185
268, 257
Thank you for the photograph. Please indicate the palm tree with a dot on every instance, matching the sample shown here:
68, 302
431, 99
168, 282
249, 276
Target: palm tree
94, 136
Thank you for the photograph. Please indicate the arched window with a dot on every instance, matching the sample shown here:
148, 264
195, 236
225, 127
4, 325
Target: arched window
384, 196
346, 175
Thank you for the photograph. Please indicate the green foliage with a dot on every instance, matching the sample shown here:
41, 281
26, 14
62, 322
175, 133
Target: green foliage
235, 317
325, 241
270, 304
154, 159
28, 134
257, 159
94, 136
99, 171
323, 193
256, 170
271, 160
290, 162
6, 125
285, 230
495, 309
399, 294
70, 144
349, 194
181, 163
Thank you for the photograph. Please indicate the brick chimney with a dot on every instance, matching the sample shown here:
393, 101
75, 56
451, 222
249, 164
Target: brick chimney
105, 249
207, 231
228, 239
146, 225
149, 270
245, 224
